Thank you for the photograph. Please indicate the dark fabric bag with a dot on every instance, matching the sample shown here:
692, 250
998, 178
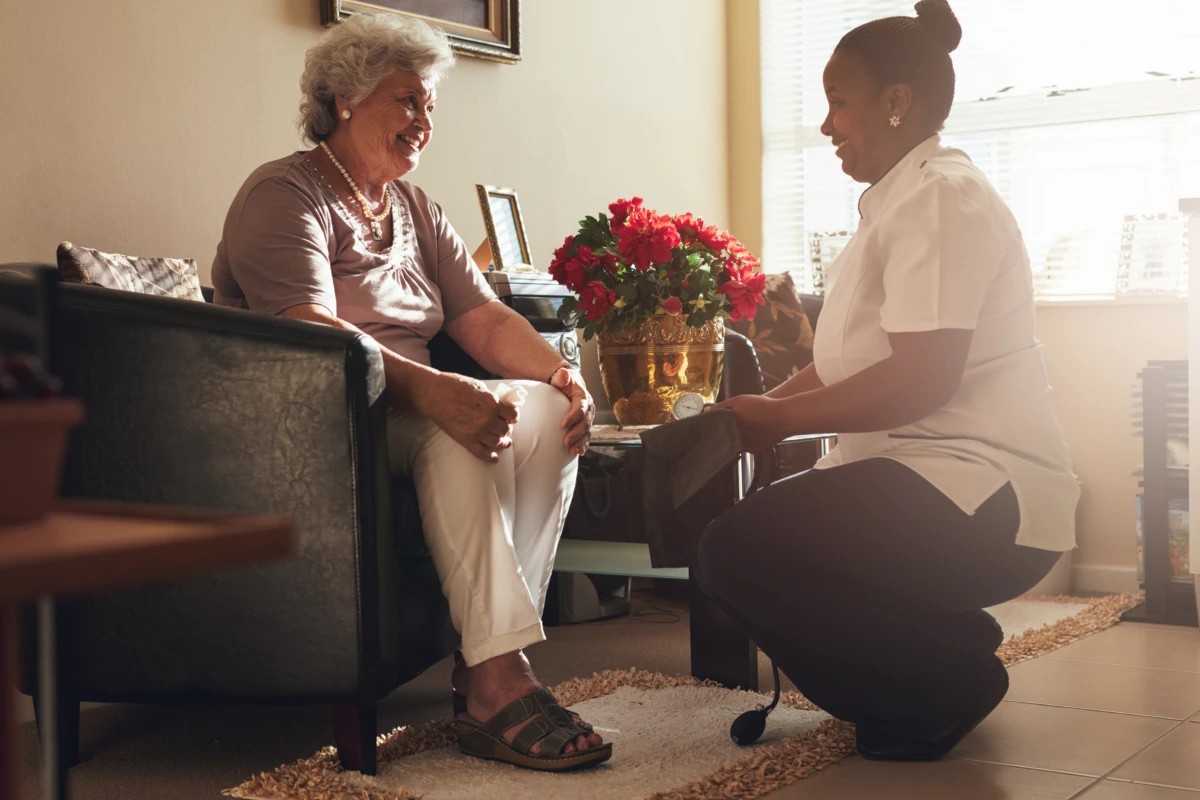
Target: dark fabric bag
608, 499
690, 479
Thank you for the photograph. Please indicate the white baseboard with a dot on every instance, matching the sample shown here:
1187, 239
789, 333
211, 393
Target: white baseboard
1088, 578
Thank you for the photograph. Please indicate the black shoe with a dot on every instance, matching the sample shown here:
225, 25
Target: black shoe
978, 626
882, 742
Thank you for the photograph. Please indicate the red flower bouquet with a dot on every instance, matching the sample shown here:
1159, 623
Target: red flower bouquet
638, 264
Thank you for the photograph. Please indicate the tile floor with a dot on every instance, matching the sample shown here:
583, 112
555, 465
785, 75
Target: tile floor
1115, 716
1106, 718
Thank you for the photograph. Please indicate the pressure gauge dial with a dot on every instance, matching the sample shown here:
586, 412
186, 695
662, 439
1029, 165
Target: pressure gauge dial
687, 405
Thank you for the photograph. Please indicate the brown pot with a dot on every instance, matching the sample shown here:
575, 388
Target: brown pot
648, 367
33, 438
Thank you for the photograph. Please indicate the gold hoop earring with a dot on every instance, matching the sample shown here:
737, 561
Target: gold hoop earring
346, 114
894, 121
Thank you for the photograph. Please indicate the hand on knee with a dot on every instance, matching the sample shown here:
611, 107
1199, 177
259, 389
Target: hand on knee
542, 418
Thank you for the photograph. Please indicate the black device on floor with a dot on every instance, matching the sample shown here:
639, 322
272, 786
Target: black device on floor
575, 597
750, 725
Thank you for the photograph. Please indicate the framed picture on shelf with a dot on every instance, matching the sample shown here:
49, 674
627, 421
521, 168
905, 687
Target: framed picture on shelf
505, 230
488, 29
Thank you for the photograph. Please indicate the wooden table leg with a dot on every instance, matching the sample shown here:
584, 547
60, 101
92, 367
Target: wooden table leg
54, 774
720, 651
8, 708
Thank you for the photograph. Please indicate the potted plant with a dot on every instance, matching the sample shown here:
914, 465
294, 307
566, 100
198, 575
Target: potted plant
656, 290
34, 420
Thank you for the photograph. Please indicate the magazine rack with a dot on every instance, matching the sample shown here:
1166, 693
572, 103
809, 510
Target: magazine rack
1163, 419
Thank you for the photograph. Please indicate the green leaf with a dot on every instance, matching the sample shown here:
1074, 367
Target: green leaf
627, 292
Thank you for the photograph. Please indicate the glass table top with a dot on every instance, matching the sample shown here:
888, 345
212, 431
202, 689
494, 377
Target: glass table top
610, 558
616, 436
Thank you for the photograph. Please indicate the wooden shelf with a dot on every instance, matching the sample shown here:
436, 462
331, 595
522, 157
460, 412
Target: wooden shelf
1160, 419
89, 547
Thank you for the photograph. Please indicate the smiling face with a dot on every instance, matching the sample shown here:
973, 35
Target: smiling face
857, 123
393, 125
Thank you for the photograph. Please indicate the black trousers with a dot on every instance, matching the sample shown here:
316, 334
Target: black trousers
865, 585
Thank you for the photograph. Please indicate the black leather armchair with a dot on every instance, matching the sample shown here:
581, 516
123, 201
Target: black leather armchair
742, 372
812, 307
196, 405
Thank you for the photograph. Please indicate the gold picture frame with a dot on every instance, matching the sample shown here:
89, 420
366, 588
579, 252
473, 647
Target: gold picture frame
505, 229
495, 35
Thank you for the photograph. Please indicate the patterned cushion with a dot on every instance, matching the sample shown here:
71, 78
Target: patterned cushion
168, 277
781, 332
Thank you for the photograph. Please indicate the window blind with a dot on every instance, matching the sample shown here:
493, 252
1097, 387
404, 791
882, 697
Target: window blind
1086, 119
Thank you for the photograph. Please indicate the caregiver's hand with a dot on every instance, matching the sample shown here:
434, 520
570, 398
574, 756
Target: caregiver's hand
759, 420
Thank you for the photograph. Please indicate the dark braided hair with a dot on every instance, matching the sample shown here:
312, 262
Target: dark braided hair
913, 50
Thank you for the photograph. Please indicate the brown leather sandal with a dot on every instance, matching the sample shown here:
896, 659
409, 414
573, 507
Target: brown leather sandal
553, 727
460, 707
459, 701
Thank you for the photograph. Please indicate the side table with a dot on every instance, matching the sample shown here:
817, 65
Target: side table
720, 651
91, 547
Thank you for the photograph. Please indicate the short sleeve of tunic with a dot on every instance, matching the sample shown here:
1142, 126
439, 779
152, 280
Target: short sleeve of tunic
944, 250
278, 248
457, 277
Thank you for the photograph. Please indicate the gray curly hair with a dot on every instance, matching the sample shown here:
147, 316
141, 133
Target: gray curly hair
352, 57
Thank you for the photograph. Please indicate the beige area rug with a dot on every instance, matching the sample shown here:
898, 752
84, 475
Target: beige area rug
670, 734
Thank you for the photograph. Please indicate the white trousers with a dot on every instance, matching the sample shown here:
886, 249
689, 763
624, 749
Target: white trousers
492, 529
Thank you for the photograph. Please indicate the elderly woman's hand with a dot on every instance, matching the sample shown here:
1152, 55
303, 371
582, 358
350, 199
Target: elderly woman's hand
466, 410
578, 421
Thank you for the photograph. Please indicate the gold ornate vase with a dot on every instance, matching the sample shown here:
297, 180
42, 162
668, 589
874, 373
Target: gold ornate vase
646, 368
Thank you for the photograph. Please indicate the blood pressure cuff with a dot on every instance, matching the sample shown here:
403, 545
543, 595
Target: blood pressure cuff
690, 479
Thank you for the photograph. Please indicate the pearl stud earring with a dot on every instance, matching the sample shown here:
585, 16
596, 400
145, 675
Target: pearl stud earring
346, 115
894, 121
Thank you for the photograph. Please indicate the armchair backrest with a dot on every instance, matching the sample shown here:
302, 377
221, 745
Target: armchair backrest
812, 307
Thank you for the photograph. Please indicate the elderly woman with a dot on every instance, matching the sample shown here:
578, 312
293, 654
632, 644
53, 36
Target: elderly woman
333, 236
951, 488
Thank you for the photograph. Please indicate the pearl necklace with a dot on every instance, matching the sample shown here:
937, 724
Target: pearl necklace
375, 219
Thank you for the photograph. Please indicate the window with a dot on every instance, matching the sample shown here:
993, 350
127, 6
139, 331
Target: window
1085, 117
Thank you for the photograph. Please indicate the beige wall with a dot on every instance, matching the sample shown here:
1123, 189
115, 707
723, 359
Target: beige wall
129, 126
745, 123
1093, 356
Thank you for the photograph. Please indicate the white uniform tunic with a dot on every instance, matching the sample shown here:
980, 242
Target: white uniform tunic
937, 248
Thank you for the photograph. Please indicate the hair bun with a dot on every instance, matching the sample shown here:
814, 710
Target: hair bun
939, 20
